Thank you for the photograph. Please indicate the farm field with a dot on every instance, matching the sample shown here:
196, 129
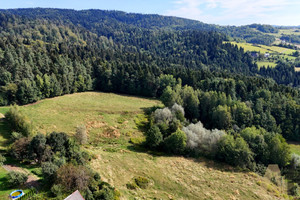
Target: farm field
286, 32
263, 48
114, 143
275, 51
265, 64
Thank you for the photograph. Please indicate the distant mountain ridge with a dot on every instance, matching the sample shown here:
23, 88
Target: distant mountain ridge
90, 19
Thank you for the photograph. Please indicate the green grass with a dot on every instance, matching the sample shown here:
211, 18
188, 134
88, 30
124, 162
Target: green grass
286, 32
250, 47
295, 148
67, 112
265, 64
264, 49
4, 190
111, 120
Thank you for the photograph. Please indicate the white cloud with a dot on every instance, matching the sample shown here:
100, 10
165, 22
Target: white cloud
186, 8
237, 11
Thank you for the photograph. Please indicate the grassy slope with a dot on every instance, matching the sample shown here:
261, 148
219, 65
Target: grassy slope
118, 161
67, 112
180, 178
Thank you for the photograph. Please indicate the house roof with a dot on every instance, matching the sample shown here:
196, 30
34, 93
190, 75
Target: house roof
75, 196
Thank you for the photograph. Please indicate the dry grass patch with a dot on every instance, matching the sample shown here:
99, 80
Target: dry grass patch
179, 177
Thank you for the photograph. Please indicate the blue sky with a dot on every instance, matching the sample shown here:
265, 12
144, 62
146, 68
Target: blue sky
223, 12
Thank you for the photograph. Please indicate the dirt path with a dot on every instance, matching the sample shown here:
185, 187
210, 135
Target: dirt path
32, 180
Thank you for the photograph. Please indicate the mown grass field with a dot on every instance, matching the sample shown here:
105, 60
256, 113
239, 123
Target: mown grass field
263, 48
114, 143
286, 32
275, 51
265, 64
66, 113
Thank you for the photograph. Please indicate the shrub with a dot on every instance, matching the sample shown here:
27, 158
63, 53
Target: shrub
88, 195
2, 160
201, 139
15, 178
163, 115
164, 128
15, 136
19, 148
178, 112
280, 152
37, 147
176, 142
38, 171
59, 160
174, 125
57, 190
132, 186
81, 135
49, 170
295, 161
73, 177
154, 137
256, 141
294, 190
260, 169
105, 194
235, 152
57, 141
137, 140
142, 182
18, 121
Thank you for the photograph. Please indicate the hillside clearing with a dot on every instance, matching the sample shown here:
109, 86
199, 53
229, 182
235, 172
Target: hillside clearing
110, 119
67, 112
263, 48
266, 64
180, 178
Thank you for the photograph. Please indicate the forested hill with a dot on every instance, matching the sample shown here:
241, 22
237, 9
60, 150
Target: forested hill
108, 22
50, 52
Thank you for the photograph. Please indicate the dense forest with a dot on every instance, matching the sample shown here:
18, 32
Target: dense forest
111, 23
50, 52
217, 102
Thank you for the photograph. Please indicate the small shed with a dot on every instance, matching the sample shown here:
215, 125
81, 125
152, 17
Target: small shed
254, 54
267, 55
75, 196
274, 169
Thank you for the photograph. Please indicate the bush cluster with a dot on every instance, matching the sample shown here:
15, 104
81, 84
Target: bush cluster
252, 148
18, 122
15, 178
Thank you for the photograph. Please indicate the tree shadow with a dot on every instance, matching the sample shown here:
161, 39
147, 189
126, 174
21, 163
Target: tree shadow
5, 133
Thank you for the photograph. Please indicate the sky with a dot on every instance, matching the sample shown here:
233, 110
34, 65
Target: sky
222, 12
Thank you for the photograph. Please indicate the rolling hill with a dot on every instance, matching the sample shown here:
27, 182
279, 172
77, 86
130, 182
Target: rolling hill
114, 143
